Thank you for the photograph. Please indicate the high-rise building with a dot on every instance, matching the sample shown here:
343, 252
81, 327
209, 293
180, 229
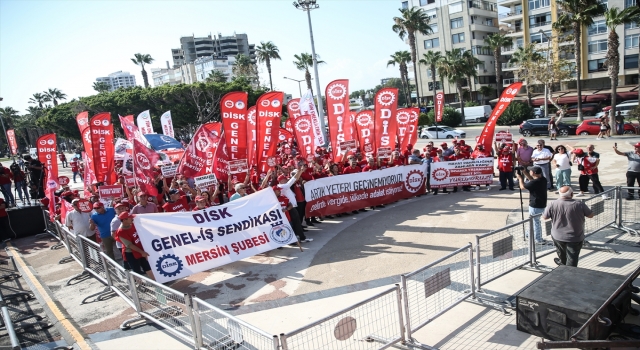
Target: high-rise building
192, 48
456, 24
205, 65
118, 80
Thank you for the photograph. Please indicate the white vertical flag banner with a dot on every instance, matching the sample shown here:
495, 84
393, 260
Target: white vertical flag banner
167, 124
183, 243
308, 107
144, 123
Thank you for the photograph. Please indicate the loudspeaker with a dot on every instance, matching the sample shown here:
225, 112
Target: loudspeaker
26, 221
557, 304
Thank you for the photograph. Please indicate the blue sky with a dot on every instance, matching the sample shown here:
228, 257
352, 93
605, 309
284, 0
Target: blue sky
67, 44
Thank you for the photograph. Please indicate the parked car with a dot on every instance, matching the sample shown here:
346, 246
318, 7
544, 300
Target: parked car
478, 114
592, 127
441, 132
588, 109
623, 107
540, 126
537, 112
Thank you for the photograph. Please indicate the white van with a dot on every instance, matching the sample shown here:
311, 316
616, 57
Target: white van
625, 107
478, 114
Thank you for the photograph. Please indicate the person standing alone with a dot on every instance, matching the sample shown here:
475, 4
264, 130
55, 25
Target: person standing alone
537, 187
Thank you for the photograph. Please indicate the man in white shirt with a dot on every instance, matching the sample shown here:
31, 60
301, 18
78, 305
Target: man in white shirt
78, 222
541, 157
285, 186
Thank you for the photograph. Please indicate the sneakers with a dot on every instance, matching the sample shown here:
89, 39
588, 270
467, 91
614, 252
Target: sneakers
580, 194
557, 261
307, 240
630, 198
597, 138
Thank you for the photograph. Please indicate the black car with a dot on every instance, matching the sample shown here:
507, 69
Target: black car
540, 126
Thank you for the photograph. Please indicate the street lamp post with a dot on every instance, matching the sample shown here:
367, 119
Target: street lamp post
308, 5
298, 81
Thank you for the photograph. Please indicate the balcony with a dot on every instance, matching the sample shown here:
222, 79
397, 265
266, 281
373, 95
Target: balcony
506, 3
539, 24
510, 16
483, 5
509, 81
514, 32
483, 27
509, 66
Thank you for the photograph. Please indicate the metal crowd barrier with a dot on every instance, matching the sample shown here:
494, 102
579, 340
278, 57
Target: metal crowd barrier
436, 288
52, 229
365, 325
219, 330
604, 209
629, 217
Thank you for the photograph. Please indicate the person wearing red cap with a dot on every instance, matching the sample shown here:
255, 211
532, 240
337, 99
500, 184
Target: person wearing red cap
201, 203
20, 183
505, 165
132, 250
284, 202
101, 218
588, 167
633, 168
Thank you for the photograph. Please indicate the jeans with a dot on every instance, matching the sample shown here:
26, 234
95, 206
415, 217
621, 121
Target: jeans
537, 228
568, 252
547, 174
506, 177
78, 174
620, 128
107, 246
632, 177
20, 187
563, 178
6, 192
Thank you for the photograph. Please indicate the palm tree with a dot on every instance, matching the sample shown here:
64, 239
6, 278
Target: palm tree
414, 20
243, 67
141, 60
39, 99
217, 76
576, 14
453, 66
432, 59
303, 62
401, 58
101, 86
614, 17
495, 43
55, 95
524, 57
486, 90
264, 53
472, 67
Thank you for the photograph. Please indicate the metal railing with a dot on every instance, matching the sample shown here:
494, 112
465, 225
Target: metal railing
366, 325
436, 288
603, 206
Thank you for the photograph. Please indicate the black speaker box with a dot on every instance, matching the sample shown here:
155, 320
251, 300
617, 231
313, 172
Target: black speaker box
557, 304
25, 221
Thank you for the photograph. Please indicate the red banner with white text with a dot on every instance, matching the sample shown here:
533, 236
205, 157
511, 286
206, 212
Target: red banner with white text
144, 159
82, 119
268, 113
365, 130
293, 108
47, 154
252, 131
221, 161
50, 189
304, 135
130, 129
338, 116
103, 147
198, 158
13, 143
407, 126
284, 135
233, 107
465, 172
386, 103
288, 125
439, 107
89, 177
345, 193
508, 94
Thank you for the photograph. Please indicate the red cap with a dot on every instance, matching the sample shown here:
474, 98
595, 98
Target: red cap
66, 193
98, 205
637, 145
443, 144
119, 205
199, 198
462, 142
125, 216
276, 188
579, 151
454, 142
282, 177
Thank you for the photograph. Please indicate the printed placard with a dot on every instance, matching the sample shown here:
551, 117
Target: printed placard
108, 192
348, 145
205, 181
504, 137
84, 205
63, 180
169, 170
384, 152
238, 166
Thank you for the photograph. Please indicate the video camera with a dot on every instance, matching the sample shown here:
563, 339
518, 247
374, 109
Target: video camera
519, 169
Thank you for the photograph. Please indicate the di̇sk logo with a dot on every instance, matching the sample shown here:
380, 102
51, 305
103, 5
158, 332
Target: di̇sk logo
105, 122
414, 181
403, 117
142, 161
165, 138
228, 104
364, 119
169, 265
252, 117
275, 103
337, 91
294, 106
50, 142
440, 174
87, 136
52, 184
240, 105
511, 91
414, 117
97, 122
386, 98
43, 142
281, 234
302, 125
82, 121
265, 103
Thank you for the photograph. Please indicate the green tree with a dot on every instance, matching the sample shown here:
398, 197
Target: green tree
495, 43
217, 76
303, 62
432, 59
525, 57
243, 67
101, 86
516, 113
55, 95
472, 67
614, 17
454, 67
412, 21
575, 15
485, 91
450, 117
141, 60
39, 99
265, 52
401, 58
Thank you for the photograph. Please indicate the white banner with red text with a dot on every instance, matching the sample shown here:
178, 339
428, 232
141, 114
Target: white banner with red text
462, 173
344, 193
183, 243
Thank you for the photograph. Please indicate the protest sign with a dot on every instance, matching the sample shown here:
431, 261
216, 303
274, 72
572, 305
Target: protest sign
205, 181
384, 152
84, 206
183, 243
63, 180
348, 145
238, 166
339, 194
462, 173
504, 137
109, 192
169, 170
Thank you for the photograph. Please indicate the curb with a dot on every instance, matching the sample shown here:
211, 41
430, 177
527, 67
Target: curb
57, 314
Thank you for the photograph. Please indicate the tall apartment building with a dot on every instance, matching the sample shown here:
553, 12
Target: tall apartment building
530, 22
457, 24
118, 80
192, 48
205, 65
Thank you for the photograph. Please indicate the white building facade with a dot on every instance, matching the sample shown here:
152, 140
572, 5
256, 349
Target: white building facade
118, 80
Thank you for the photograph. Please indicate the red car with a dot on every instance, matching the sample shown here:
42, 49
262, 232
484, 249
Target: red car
592, 127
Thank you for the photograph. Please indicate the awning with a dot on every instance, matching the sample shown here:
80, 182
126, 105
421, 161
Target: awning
598, 97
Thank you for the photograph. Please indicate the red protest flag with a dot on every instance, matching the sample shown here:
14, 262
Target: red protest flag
365, 131
439, 107
293, 108
198, 157
89, 176
338, 115
508, 94
103, 147
284, 135
386, 103
252, 133
82, 119
130, 129
407, 119
144, 160
13, 144
221, 161
47, 154
233, 107
50, 188
268, 113
304, 135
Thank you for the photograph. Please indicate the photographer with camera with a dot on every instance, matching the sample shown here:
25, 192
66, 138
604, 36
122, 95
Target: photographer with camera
20, 181
537, 187
36, 174
5, 186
